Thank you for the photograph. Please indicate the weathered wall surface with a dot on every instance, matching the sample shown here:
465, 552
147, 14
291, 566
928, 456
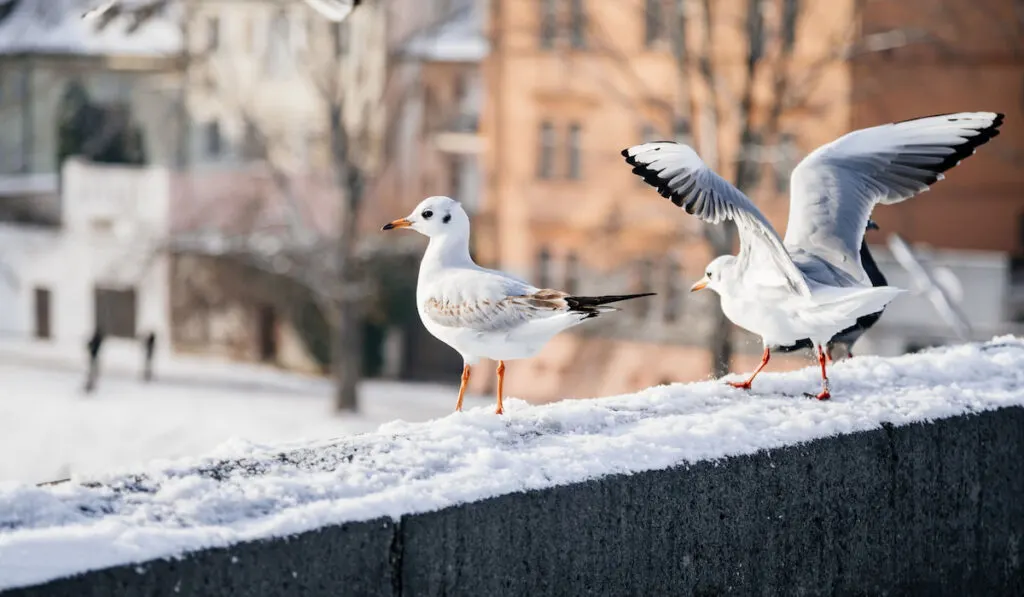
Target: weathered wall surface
927, 509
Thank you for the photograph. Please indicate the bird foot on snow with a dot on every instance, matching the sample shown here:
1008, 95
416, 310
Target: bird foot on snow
822, 395
742, 385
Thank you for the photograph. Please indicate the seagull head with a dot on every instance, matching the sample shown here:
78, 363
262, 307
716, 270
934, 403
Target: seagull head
714, 273
434, 216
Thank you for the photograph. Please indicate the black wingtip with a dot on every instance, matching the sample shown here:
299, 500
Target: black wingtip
590, 303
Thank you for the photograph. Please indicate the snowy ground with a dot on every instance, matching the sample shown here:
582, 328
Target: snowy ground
49, 429
263, 491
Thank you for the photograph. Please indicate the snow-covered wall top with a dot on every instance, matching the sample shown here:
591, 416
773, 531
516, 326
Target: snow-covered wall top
246, 492
57, 27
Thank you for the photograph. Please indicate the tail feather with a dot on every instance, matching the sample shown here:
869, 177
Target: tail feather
592, 304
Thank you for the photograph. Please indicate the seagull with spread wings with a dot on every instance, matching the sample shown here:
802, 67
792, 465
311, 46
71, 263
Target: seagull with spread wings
481, 312
812, 284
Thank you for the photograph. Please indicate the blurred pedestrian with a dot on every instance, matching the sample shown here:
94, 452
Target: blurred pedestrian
94, 346
148, 346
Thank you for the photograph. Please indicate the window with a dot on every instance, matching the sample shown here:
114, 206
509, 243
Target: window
672, 293
572, 273
543, 274
212, 138
573, 146
42, 305
654, 21
115, 311
212, 33
548, 23
546, 154
579, 24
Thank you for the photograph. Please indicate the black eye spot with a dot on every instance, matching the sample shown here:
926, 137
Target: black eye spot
447, 218
427, 214
708, 273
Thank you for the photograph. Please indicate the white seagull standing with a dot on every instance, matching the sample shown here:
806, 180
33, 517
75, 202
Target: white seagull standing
481, 312
813, 284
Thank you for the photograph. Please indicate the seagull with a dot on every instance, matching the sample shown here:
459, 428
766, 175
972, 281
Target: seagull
484, 313
848, 337
812, 284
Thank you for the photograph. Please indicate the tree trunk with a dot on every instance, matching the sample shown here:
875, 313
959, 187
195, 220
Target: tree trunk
346, 346
347, 357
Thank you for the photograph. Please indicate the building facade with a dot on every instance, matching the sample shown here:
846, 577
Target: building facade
569, 84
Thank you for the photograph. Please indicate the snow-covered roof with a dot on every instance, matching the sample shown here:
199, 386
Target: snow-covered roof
246, 492
57, 27
458, 39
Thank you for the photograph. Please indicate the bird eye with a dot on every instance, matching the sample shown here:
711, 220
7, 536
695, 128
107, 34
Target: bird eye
447, 218
708, 274
427, 214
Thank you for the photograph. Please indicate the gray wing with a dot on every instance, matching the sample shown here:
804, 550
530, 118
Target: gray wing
834, 189
681, 176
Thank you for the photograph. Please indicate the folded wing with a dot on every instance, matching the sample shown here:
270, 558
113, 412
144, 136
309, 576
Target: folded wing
681, 176
488, 301
834, 189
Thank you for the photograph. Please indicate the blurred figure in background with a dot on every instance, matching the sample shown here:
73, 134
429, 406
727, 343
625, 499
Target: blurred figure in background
94, 346
148, 346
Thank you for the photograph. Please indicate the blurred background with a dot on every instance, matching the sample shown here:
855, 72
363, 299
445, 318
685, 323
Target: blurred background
191, 193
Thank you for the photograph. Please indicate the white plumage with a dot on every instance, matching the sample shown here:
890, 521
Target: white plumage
484, 313
812, 284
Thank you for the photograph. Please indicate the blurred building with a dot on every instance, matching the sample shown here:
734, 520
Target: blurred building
107, 92
569, 84
101, 269
972, 223
78, 237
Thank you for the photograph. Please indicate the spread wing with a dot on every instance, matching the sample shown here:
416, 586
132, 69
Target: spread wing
489, 302
681, 176
834, 189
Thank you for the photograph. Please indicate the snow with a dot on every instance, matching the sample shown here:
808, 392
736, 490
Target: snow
193, 407
244, 490
57, 27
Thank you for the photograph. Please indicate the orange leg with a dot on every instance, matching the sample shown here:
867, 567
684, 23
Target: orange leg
745, 385
462, 387
501, 387
824, 394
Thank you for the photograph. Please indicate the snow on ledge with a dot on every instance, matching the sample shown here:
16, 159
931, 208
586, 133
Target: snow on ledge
245, 492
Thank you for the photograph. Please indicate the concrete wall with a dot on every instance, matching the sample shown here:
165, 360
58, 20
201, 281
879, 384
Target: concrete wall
926, 509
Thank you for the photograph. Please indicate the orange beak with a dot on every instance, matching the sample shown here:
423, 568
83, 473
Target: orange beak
700, 285
400, 223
